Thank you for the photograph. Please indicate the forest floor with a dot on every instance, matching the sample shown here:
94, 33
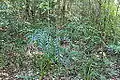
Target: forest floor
9, 73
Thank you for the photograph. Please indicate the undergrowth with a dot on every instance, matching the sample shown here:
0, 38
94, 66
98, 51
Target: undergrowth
50, 40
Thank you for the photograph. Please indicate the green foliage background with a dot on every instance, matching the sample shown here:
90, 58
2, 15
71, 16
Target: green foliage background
78, 38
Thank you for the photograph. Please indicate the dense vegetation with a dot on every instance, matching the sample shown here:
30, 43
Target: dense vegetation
59, 39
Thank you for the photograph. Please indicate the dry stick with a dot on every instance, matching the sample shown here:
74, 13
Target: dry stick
116, 21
